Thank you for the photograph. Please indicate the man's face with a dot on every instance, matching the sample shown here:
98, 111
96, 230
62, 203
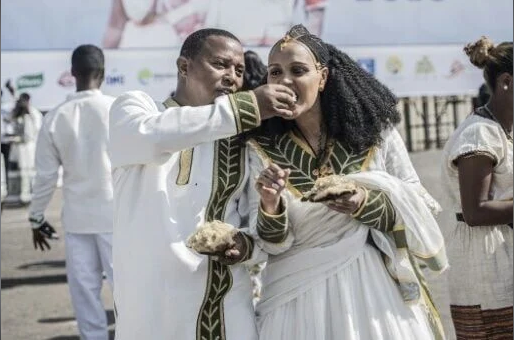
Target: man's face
217, 70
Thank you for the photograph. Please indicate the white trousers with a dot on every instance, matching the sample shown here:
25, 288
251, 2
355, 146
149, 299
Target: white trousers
87, 257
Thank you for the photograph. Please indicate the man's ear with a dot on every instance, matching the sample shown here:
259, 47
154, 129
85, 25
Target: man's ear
182, 66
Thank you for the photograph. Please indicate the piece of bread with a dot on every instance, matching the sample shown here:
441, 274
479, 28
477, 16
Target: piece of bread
329, 188
212, 238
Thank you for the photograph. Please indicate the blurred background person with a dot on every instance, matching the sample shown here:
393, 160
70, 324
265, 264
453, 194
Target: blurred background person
75, 135
152, 23
477, 176
265, 21
483, 96
7, 123
27, 121
255, 71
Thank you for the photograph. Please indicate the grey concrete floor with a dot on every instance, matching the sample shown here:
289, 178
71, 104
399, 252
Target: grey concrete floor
35, 302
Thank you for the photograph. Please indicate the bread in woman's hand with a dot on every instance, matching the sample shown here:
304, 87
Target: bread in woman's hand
329, 188
212, 238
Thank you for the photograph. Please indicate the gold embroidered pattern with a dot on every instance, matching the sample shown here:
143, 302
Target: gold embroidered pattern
186, 156
185, 165
377, 211
288, 151
228, 173
272, 228
246, 110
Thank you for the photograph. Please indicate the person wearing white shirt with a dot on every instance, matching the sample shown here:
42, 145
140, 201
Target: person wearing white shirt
29, 119
169, 176
75, 135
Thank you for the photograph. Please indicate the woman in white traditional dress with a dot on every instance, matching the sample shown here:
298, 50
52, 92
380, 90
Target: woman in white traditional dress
349, 269
477, 176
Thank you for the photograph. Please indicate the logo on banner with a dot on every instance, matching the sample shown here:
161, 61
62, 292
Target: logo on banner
66, 79
394, 64
367, 64
425, 66
456, 69
115, 78
145, 76
29, 81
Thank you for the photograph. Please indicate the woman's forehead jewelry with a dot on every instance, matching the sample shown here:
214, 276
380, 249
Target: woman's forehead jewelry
285, 40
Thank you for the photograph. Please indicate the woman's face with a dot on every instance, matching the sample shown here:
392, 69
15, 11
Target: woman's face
294, 66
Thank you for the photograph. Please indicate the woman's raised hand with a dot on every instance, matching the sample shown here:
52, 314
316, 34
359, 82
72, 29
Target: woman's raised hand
270, 183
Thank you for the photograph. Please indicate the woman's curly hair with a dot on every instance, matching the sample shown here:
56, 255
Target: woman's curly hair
355, 106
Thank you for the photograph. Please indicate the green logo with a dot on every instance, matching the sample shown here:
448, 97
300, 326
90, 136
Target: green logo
29, 81
425, 66
144, 76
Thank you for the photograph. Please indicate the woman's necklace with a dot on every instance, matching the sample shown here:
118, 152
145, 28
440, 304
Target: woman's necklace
493, 117
319, 155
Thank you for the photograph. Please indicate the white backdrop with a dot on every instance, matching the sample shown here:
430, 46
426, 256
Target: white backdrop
413, 46
407, 70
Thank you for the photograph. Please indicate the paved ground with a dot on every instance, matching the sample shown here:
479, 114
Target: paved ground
34, 296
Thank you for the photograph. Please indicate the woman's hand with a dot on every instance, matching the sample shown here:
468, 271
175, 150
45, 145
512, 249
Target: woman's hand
270, 183
349, 203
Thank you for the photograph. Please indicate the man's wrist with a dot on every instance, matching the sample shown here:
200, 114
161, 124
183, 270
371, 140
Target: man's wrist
36, 221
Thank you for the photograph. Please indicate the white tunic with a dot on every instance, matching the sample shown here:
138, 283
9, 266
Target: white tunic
481, 257
161, 284
75, 135
325, 282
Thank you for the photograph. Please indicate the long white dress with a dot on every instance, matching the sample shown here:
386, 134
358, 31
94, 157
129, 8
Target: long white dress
325, 280
481, 283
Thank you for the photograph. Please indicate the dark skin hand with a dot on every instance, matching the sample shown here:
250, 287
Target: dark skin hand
475, 176
231, 255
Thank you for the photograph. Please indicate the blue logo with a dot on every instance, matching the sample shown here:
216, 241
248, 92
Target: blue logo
114, 79
367, 64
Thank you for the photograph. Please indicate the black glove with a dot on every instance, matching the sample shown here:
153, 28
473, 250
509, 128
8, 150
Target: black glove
42, 230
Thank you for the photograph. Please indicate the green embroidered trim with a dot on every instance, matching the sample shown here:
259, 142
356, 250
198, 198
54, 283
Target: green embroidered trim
246, 111
228, 173
272, 228
346, 162
378, 212
433, 316
286, 153
211, 320
249, 247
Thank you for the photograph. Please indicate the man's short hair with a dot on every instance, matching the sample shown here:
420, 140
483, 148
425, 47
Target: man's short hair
88, 60
195, 41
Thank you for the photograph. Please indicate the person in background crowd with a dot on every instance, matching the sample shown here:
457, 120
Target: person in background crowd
131, 22
262, 22
75, 135
27, 120
483, 96
255, 74
7, 126
255, 71
477, 176
170, 175
346, 269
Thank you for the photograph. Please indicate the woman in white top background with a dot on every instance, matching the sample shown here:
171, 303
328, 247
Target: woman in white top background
477, 176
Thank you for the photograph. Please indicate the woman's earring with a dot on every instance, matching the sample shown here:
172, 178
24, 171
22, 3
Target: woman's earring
505, 87
320, 89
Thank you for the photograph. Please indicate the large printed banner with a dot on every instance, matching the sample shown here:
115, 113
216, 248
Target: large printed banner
64, 24
408, 71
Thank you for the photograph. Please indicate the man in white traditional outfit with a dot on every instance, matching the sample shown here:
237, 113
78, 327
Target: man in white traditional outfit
75, 135
169, 177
